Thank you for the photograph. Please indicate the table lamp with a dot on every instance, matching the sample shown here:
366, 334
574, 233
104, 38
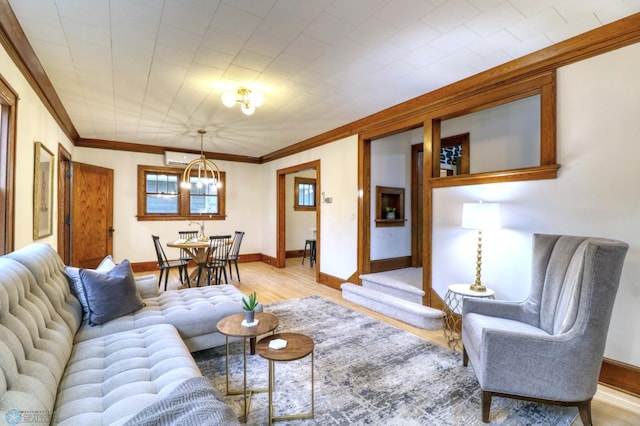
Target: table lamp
481, 217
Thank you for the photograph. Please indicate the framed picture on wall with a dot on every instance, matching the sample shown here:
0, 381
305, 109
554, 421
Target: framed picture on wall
42, 192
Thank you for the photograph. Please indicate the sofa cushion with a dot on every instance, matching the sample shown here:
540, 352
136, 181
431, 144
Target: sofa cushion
109, 379
73, 275
110, 295
179, 307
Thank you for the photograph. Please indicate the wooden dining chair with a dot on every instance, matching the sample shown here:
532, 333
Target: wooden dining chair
217, 258
185, 235
234, 253
166, 265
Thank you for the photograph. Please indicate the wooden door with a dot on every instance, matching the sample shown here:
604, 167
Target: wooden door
92, 215
64, 205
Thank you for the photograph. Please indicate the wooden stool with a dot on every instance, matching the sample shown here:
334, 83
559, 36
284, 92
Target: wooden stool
312, 252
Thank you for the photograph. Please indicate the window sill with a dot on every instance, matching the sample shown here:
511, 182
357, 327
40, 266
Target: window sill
150, 217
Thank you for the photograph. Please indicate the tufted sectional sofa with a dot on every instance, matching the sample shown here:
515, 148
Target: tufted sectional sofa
55, 368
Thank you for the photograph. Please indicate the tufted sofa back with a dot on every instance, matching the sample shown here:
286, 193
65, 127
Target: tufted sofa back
38, 320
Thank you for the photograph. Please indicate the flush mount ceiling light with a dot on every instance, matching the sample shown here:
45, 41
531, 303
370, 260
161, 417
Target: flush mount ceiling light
247, 98
208, 172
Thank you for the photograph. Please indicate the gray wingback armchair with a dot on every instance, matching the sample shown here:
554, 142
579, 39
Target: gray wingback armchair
549, 347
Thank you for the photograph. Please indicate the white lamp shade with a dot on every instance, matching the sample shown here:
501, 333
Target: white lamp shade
481, 216
247, 110
229, 99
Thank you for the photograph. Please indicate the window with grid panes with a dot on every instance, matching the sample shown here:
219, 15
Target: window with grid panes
304, 194
161, 196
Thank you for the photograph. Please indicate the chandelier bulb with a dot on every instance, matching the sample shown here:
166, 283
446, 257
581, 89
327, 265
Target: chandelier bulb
247, 109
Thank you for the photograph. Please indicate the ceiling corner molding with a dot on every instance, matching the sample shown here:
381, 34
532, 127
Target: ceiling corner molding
159, 150
19, 49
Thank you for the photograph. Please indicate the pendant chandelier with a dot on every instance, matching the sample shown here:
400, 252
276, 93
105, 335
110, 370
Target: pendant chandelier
206, 169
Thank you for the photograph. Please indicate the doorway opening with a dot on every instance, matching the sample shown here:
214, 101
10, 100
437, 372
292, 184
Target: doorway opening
298, 229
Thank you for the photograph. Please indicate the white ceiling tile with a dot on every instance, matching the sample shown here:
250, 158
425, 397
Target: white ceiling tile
182, 15
494, 20
545, 21
386, 53
401, 15
527, 46
415, 35
142, 15
252, 60
257, 8
289, 63
494, 43
530, 8
213, 58
449, 15
424, 56
231, 20
307, 47
267, 44
455, 39
372, 32
308, 10
328, 28
239, 75
356, 11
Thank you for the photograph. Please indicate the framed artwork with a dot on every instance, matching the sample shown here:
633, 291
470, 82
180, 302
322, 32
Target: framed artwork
42, 192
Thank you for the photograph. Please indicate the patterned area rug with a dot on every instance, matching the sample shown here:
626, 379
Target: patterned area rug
366, 373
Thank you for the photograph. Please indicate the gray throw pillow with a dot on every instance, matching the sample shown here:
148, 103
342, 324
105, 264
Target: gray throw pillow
73, 276
110, 295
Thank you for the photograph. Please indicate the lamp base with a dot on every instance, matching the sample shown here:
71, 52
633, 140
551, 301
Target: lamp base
477, 287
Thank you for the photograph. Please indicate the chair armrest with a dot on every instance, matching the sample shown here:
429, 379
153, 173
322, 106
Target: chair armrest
552, 367
494, 308
147, 286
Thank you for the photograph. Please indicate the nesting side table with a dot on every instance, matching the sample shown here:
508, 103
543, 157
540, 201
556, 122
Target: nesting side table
298, 347
453, 311
232, 326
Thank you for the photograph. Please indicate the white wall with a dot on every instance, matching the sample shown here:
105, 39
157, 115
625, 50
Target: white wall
245, 188
299, 223
34, 123
596, 194
338, 220
500, 138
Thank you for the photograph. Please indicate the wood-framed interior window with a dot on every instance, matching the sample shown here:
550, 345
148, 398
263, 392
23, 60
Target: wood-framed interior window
162, 197
304, 197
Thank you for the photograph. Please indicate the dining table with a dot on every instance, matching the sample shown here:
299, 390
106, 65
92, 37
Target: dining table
197, 249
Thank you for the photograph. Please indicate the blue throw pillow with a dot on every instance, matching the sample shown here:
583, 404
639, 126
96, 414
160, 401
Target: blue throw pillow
73, 276
110, 295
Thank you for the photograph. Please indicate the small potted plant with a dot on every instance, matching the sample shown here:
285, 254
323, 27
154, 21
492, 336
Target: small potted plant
391, 212
249, 305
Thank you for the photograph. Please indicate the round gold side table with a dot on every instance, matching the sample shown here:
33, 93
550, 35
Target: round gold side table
453, 311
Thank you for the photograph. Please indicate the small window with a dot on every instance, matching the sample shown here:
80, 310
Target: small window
162, 193
203, 196
304, 194
162, 197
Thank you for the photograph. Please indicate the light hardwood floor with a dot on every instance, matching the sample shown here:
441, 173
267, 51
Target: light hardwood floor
609, 407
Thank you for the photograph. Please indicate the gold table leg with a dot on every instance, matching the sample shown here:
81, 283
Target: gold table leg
247, 393
272, 380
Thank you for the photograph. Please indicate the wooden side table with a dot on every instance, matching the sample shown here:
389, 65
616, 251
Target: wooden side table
453, 311
231, 326
298, 347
